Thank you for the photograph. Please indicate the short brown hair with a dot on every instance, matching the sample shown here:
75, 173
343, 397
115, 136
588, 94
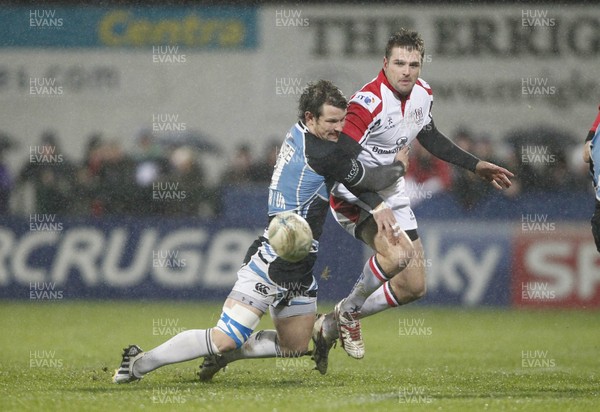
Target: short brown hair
405, 38
316, 94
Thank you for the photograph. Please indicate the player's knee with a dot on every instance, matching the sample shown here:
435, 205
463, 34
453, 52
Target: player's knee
419, 290
395, 258
293, 346
293, 349
222, 342
417, 287
236, 325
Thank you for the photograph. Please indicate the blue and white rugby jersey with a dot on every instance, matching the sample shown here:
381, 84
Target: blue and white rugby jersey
306, 169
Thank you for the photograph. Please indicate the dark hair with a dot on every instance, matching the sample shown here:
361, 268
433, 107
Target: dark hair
405, 38
316, 94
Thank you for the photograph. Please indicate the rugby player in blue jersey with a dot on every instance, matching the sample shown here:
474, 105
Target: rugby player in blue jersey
314, 155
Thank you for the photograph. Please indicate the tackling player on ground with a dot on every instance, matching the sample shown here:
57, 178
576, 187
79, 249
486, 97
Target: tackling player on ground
313, 157
385, 116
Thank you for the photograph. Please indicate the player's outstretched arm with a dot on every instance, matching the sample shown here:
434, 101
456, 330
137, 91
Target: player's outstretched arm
498, 176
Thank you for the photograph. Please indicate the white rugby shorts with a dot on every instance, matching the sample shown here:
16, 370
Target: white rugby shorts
351, 215
254, 288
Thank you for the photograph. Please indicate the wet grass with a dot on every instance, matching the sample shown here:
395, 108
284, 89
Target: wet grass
61, 355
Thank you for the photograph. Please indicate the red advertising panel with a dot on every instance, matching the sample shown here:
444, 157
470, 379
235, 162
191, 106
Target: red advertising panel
555, 267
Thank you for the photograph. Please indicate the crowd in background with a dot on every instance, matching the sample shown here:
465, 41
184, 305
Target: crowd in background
162, 178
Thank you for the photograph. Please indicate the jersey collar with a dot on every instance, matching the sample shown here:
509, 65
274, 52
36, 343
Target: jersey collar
383, 79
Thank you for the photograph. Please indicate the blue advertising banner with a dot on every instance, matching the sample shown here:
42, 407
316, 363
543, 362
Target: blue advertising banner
467, 263
47, 257
219, 27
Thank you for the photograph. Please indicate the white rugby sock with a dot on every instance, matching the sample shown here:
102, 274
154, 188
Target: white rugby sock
370, 279
187, 345
380, 300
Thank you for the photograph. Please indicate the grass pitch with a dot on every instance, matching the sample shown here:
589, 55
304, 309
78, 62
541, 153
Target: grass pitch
59, 356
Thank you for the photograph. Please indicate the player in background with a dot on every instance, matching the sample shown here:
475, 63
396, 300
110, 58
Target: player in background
385, 116
314, 155
591, 155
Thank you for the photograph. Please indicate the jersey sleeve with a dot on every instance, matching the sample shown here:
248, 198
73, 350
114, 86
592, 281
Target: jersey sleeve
443, 148
340, 164
362, 109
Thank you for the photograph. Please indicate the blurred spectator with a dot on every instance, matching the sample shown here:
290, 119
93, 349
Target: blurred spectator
6, 179
186, 179
51, 174
85, 194
563, 176
151, 163
426, 175
467, 187
262, 170
110, 182
116, 194
541, 154
239, 171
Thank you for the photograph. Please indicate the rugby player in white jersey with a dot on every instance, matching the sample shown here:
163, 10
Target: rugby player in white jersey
385, 116
314, 156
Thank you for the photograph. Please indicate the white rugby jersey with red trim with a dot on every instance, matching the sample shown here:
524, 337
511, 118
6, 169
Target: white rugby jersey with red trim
383, 122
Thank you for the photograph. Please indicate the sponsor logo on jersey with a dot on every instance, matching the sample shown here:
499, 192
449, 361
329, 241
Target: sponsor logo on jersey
353, 171
390, 123
262, 289
377, 149
367, 100
419, 116
402, 141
